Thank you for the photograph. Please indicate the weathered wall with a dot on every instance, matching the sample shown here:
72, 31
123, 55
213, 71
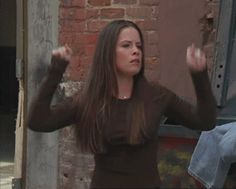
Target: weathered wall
42, 149
181, 24
80, 22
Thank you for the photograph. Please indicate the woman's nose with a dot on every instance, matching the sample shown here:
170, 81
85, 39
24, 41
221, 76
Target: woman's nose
136, 50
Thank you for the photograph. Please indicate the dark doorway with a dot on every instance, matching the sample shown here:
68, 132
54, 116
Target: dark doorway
8, 90
8, 102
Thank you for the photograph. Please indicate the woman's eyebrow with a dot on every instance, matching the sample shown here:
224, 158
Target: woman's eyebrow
129, 41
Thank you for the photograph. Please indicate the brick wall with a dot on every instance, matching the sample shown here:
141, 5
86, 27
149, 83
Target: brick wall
80, 23
209, 29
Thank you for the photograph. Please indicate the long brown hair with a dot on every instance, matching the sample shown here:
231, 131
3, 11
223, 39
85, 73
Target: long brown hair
101, 86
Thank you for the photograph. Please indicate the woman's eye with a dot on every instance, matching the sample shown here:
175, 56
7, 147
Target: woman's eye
139, 46
126, 45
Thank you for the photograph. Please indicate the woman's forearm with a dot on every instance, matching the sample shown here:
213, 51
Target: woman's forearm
206, 103
41, 115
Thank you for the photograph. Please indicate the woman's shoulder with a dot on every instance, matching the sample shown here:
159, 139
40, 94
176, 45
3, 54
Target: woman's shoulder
156, 85
158, 88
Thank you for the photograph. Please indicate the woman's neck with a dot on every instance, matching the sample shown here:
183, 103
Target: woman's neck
125, 87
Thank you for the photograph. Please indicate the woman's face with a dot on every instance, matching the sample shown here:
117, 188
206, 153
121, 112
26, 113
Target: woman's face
128, 53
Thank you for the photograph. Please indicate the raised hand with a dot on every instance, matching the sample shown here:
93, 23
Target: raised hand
196, 59
61, 57
63, 52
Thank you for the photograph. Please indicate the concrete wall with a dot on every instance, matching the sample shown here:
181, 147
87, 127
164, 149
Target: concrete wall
42, 149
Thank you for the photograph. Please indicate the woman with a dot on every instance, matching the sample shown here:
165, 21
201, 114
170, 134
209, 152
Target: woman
118, 113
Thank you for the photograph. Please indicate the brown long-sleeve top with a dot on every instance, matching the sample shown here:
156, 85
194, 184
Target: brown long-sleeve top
124, 165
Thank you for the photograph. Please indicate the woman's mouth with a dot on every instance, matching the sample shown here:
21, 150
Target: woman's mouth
135, 61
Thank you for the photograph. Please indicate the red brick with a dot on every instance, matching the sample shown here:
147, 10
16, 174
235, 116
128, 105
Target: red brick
73, 38
147, 25
99, 2
149, 2
79, 39
72, 14
64, 38
89, 50
71, 26
153, 74
112, 13
85, 38
72, 3
151, 62
91, 38
65, 3
78, 3
152, 68
87, 61
96, 25
140, 12
152, 38
151, 51
74, 69
125, 2
78, 50
75, 61
78, 69
92, 13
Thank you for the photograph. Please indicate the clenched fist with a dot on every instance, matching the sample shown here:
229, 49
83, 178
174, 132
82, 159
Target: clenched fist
61, 57
196, 59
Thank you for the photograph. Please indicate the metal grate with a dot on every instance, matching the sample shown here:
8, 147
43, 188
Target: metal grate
223, 76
